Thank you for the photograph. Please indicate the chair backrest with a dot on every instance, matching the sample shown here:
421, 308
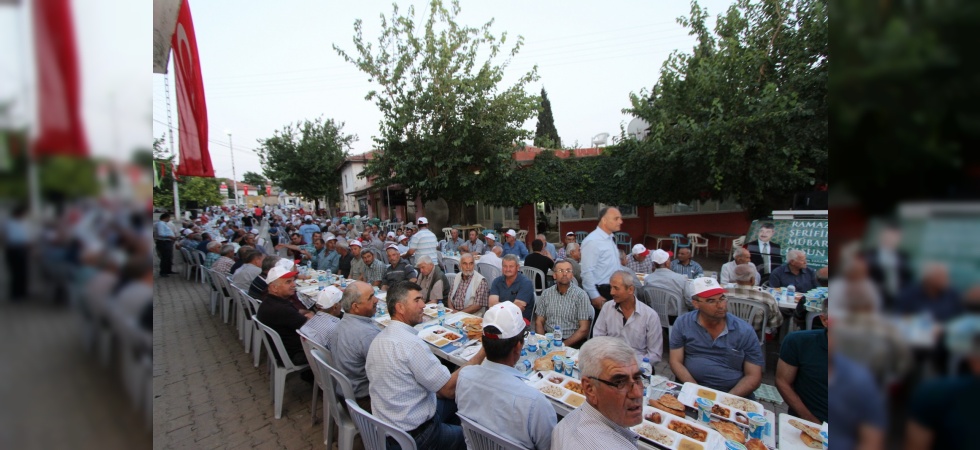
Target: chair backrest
480, 438
536, 276
212, 279
374, 431
308, 345
448, 232
272, 339
452, 265
580, 236
659, 299
680, 240
697, 239
489, 271
451, 277
622, 238
249, 304
199, 257
739, 242
746, 309
522, 235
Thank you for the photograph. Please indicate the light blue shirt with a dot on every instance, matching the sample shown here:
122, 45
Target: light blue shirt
716, 363
350, 345
307, 231
163, 230
496, 397
518, 249
552, 250
403, 377
600, 259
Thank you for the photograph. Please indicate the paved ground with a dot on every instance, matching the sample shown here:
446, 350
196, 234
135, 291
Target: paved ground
207, 393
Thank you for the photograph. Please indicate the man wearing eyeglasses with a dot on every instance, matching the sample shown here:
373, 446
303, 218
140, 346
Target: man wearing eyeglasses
630, 320
613, 386
713, 348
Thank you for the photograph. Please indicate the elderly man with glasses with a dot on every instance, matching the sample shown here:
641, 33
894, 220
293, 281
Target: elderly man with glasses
713, 348
613, 386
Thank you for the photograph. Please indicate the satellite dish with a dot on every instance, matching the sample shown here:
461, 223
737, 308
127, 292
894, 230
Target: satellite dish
600, 139
638, 128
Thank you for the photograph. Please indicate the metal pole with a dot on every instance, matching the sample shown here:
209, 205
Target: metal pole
234, 178
173, 152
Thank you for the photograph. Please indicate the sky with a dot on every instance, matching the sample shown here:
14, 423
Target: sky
268, 64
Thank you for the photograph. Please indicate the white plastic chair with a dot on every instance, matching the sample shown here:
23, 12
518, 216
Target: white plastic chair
659, 300
257, 333
746, 309
374, 431
697, 241
308, 346
334, 381
522, 235
451, 278
277, 370
489, 271
736, 244
480, 438
246, 328
537, 277
452, 265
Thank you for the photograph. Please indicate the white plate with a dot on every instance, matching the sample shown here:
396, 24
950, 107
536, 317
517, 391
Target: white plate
789, 436
689, 394
437, 335
713, 440
557, 392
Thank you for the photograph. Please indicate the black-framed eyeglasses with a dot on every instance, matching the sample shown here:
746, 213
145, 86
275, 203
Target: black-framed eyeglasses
622, 384
714, 301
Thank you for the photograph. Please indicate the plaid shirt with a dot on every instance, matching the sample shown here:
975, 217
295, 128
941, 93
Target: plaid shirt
223, 265
374, 272
564, 310
691, 270
645, 266
480, 296
772, 308
211, 259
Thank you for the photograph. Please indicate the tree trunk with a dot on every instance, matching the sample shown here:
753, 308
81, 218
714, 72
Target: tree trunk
457, 210
316, 206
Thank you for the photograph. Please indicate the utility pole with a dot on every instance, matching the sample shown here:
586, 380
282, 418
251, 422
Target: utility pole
234, 178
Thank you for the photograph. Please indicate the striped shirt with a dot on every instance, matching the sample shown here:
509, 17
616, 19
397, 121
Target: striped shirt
374, 272
691, 270
357, 268
587, 429
425, 243
223, 265
403, 377
563, 310
350, 345
399, 272
320, 328
211, 259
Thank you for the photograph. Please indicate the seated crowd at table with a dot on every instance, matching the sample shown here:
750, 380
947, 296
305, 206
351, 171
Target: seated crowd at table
596, 299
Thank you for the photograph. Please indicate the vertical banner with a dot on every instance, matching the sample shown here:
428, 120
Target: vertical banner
224, 190
268, 189
246, 190
60, 129
192, 111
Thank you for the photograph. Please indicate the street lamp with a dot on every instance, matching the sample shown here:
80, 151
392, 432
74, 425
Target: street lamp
234, 178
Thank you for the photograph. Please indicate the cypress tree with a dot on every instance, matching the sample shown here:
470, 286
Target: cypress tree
546, 134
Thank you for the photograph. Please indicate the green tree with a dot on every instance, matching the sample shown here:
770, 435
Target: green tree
203, 190
304, 157
744, 115
448, 126
546, 135
254, 179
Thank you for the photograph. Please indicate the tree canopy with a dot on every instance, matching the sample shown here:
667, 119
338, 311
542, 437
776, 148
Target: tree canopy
546, 135
449, 127
742, 116
254, 179
303, 158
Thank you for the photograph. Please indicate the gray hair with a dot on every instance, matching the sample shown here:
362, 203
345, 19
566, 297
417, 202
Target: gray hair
351, 296
628, 278
792, 255
343, 244
512, 258
745, 272
497, 250
738, 252
601, 348
571, 247
213, 244
424, 259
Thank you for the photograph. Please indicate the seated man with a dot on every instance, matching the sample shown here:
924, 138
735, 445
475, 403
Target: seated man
405, 378
744, 277
801, 373
353, 337
435, 285
514, 247
667, 280
323, 325
566, 306
357, 267
574, 256
613, 386
795, 273
742, 256
933, 294
495, 395
242, 278
258, 288
374, 269
548, 246
713, 348
563, 251
453, 244
473, 244
213, 254
227, 259
470, 292
686, 266
513, 286
639, 261
493, 257
491, 243
630, 320
398, 269
539, 260
278, 313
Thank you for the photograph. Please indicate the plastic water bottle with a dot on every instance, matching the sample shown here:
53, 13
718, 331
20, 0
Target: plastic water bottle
791, 294
532, 343
442, 309
647, 370
524, 364
557, 342
329, 277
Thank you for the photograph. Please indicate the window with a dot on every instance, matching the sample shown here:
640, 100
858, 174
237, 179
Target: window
591, 211
696, 207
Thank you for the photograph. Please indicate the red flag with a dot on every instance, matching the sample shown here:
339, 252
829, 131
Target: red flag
246, 190
60, 129
268, 189
192, 110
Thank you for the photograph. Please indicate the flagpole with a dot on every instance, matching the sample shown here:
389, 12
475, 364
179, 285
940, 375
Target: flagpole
173, 153
33, 181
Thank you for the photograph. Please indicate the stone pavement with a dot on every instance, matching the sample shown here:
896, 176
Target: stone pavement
207, 393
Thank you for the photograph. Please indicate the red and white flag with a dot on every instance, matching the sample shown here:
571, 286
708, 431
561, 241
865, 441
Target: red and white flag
60, 129
246, 190
192, 111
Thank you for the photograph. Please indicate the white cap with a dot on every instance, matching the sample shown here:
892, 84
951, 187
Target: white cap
254, 231
506, 317
423, 221
399, 239
328, 297
640, 250
355, 242
490, 236
392, 245
285, 263
705, 287
659, 256
390, 234
511, 232
570, 233
308, 217
186, 231
277, 272
329, 236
